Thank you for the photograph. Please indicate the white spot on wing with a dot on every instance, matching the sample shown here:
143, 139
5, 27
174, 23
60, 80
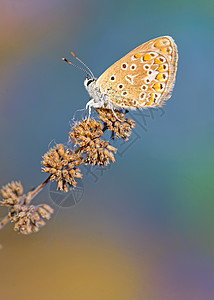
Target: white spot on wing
120, 86
134, 102
146, 67
124, 66
142, 96
153, 54
130, 78
157, 97
112, 78
124, 93
133, 57
144, 87
133, 67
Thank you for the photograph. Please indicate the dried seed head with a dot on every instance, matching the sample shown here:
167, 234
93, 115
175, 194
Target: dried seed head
28, 218
86, 134
62, 164
116, 122
99, 152
45, 211
11, 193
84, 131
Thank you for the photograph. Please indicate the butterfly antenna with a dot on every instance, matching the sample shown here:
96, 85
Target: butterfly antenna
65, 59
74, 55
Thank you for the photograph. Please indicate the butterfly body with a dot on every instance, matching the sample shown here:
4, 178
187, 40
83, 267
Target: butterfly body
99, 98
142, 78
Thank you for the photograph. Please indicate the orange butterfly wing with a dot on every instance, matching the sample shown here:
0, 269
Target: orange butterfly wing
142, 78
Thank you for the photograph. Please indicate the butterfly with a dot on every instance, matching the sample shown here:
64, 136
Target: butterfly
142, 78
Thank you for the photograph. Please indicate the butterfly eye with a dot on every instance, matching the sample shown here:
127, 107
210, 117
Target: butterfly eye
89, 81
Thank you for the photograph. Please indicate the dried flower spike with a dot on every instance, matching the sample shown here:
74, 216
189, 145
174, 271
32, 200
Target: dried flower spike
11, 193
62, 164
116, 122
99, 152
28, 218
84, 131
86, 134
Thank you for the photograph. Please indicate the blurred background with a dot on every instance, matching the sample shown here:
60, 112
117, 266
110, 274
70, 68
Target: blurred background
144, 228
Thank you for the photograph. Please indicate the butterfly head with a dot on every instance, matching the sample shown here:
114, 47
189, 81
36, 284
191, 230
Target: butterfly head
88, 81
89, 84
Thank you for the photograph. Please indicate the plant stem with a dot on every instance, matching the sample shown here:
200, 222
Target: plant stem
4, 222
31, 194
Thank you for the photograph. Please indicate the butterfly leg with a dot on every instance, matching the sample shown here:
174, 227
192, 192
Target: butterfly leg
115, 115
88, 106
91, 104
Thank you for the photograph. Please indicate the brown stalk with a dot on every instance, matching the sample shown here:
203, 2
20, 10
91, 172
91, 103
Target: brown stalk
31, 194
62, 162
4, 222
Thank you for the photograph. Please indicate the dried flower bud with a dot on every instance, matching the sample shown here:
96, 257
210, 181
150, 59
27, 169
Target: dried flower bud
99, 152
28, 218
11, 193
61, 163
116, 122
84, 131
45, 211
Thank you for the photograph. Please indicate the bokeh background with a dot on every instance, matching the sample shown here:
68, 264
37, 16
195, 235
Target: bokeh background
145, 229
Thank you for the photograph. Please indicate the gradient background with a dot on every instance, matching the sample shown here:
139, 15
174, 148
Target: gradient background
145, 230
